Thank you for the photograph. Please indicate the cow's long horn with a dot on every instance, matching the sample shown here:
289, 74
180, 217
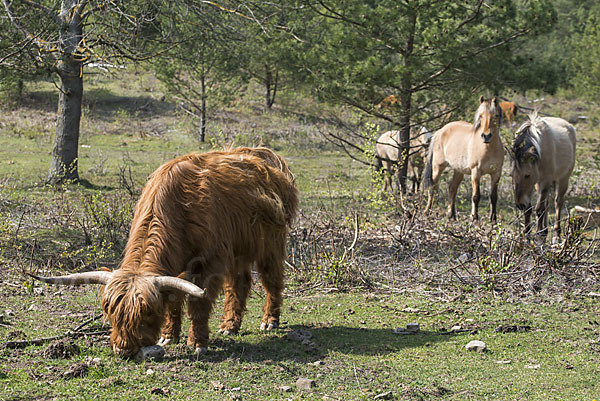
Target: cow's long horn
174, 283
96, 277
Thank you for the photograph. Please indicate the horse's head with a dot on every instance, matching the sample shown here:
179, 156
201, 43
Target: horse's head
488, 119
525, 156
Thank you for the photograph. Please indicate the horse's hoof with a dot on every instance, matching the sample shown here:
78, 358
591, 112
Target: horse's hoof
200, 351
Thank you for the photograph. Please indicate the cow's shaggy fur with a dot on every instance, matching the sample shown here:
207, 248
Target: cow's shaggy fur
207, 218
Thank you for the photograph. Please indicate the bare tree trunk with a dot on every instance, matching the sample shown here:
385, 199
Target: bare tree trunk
65, 152
63, 167
270, 86
202, 106
406, 106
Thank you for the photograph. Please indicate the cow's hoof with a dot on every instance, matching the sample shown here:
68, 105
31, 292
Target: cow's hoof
270, 326
164, 341
200, 351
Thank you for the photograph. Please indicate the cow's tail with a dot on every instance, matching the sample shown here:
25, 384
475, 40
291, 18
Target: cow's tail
428, 172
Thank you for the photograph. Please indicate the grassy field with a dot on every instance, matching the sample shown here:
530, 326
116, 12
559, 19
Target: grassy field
534, 306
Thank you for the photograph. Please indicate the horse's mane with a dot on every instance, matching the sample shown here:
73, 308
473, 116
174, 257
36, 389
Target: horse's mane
528, 136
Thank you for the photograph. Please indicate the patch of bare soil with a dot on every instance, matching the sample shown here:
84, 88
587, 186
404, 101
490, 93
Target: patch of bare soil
61, 349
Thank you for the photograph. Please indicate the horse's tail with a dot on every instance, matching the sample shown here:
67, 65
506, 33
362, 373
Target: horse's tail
428, 172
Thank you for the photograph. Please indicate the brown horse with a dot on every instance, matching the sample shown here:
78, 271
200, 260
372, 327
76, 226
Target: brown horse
509, 111
543, 156
387, 155
466, 148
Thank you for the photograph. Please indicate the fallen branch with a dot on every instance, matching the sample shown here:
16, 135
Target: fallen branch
75, 333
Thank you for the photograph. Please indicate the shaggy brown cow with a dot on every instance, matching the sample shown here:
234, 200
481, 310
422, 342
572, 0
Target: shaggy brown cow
206, 218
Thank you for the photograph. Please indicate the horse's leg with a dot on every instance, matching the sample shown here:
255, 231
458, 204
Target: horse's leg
541, 210
237, 286
475, 179
387, 173
559, 200
494, 196
436, 173
452, 189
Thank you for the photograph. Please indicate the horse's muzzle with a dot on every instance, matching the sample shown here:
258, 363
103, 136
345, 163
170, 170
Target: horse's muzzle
486, 138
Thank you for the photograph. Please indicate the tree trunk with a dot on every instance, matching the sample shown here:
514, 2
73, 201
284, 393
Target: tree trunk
406, 105
63, 167
202, 106
270, 86
64, 154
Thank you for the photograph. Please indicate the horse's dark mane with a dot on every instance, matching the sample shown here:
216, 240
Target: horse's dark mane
528, 137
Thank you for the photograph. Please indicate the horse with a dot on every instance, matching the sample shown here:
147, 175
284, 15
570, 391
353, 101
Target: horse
387, 155
542, 156
466, 148
509, 111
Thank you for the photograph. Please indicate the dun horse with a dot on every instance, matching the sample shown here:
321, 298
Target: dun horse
387, 148
466, 148
543, 156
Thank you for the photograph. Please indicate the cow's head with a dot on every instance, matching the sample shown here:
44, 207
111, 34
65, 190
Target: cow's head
132, 302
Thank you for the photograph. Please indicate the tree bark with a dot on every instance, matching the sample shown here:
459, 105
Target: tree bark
63, 167
270, 86
406, 105
202, 106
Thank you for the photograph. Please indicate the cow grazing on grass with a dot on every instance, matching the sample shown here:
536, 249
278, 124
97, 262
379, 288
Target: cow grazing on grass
201, 223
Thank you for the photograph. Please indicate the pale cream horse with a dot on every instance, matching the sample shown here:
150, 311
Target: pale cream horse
387, 152
466, 148
543, 156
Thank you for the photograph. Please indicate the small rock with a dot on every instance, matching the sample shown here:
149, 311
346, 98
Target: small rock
413, 327
383, 396
536, 366
400, 330
476, 345
318, 363
217, 385
456, 328
285, 389
235, 389
1, 318
32, 307
504, 362
305, 384
9, 313
153, 352
149, 372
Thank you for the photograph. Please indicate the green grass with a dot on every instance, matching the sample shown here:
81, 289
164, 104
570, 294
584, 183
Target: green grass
352, 334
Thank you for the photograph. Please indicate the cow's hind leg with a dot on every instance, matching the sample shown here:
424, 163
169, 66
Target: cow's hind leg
172, 326
199, 311
271, 276
237, 286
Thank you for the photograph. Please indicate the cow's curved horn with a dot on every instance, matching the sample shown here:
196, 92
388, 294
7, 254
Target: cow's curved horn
175, 283
96, 277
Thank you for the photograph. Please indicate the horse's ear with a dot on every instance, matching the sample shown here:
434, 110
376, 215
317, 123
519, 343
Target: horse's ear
481, 99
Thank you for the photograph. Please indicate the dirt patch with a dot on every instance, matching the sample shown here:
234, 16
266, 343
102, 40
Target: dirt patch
61, 349
79, 369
